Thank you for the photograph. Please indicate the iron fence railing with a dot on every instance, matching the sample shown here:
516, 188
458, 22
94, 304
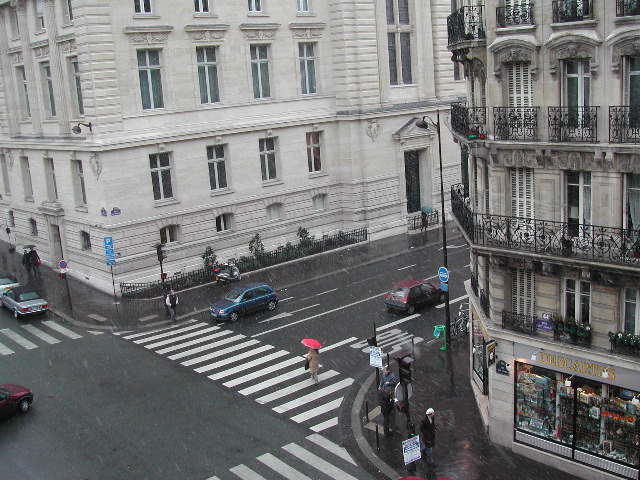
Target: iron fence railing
516, 123
514, 15
573, 124
612, 245
470, 122
416, 223
627, 8
581, 340
466, 24
571, 10
625, 348
202, 276
624, 124
519, 322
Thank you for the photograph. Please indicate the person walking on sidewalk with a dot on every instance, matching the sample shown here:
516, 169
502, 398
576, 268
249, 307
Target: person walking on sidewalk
314, 364
387, 379
26, 261
428, 436
35, 260
386, 406
172, 303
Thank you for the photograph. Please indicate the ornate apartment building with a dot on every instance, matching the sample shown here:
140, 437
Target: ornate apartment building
203, 123
550, 206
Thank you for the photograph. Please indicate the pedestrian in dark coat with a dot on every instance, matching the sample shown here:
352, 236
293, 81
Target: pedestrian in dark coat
35, 260
386, 406
387, 379
428, 436
172, 303
423, 217
26, 261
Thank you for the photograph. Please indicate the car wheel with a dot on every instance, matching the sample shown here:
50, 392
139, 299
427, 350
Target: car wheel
411, 309
15, 313
24, 405
271, 306
233, 316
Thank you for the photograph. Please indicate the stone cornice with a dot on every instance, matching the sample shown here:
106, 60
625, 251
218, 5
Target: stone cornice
157, 34
307, 29
206, 33
259, 31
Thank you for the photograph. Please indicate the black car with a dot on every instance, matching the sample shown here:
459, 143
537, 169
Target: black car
244, 299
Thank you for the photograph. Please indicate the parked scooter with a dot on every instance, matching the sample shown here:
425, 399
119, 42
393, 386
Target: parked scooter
227, 273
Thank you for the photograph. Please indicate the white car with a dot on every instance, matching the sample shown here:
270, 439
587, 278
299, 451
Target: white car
23, 301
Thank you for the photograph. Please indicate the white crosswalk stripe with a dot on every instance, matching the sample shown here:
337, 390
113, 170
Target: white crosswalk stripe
283, 392
23, 342
244, 366
227, 361
273, 381
183, 337
168, 332
317, 411
40, 334
60, 329
316, 461
332, 422
331, 447
282, 468
298, 402
4, 350
30, 336
261, 373
245, 473
204, 358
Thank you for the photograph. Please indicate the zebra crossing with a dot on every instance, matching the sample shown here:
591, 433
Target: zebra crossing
259, 371
314, 457
391, 341
33, 335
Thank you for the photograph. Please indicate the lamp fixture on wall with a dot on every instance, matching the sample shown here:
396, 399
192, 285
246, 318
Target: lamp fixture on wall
567, 382
77, 130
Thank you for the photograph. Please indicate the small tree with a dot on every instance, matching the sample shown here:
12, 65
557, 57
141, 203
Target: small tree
209, 258
256, 247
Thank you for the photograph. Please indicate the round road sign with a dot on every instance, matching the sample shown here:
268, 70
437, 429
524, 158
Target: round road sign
443, 274
63, 264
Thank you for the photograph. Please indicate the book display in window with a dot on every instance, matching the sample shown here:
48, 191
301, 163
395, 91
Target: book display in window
535, 402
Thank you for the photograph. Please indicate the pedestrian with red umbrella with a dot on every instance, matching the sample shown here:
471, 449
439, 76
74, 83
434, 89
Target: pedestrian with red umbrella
313, 357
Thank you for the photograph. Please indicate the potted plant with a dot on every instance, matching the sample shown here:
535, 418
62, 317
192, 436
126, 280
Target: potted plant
619, 338
558, 323
570, 325
612, 337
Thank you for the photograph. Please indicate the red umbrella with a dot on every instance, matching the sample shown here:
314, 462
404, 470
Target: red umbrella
311, 343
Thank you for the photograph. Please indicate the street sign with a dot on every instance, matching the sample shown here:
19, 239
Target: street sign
109, 252
443, 274
411, 449
111, 263
444, 286
375, 357
63, 264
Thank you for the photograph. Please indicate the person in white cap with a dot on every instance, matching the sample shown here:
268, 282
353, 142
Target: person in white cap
428, 436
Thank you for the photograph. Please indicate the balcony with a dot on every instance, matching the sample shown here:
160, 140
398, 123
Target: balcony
465, 24
514, 15
469, 122
624, 124
615, 246
627, 8
625, 343
519, 323
573, 124
516, 123
571, 10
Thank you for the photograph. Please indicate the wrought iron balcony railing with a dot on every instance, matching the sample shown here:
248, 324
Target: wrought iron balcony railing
519, 323
617, 246
469, 122
514, 15
466, 24
576, 337
573, 124
571, 10
624, 124
516, 123
627, 8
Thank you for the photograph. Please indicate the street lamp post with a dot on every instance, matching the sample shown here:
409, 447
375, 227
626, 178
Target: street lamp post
426, 125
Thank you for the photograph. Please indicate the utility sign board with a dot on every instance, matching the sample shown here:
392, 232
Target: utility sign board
411, 450
375, 357
109, 252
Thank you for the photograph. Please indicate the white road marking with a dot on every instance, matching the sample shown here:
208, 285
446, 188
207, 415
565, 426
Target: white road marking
4, 350
245, 366
332, 422
328, 445
314, 412
408, 266
317, 462
261, 373
147, 318
397, 322
282, 468
186, 353
60, 329
168, 341
283, 392
245, 473
299, 401
148, 332
229, 360
324, 293
339, 344
97, 317
442, 305
40, 334
168, 332
273, 381
288, 314
23, 342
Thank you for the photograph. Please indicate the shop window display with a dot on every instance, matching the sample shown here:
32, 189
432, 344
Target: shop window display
582, 414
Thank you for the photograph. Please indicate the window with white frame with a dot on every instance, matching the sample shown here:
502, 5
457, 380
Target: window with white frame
268, 159
577, 202
631, 314
169, 234
34, 227
26, 178
150, 79
142, 6
577, 300
522, 194
76, 86
260, 70
303, 6
15, 25
313, 152
208, 74
399, 31
68, 10
224, 223
319, 202
23, 93
217, 167
306, 52
78, 183
161, 176
50, 180
85, 240
255, 6
39, 11
5, 174
522, 291
519, 84
274, 212
49, 95
577, 83
202, 6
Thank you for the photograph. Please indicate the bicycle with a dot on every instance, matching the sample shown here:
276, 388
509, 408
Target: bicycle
461, 322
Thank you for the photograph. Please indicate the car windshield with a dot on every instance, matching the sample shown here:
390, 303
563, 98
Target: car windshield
28, 296
7, 280
6, 392
234, 295
397, 291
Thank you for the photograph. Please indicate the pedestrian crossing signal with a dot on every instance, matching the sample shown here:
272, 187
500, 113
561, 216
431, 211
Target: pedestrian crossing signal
404, 369
372, 341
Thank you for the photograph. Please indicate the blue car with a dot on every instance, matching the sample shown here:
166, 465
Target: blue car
244, 299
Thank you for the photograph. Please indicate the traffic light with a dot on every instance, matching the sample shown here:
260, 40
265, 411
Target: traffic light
404, 369
62, 275
372, 341
163, 275
161, 254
